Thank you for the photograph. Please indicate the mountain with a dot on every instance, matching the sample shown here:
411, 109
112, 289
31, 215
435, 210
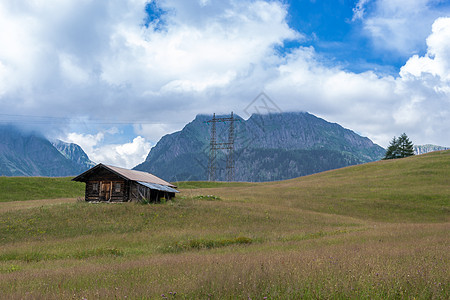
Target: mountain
74, 153
267, 147
422, 149
30, 154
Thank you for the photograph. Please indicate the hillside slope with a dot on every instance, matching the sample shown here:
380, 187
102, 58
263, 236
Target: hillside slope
37, 188
413, 189
405, 190
373, 231
267, 147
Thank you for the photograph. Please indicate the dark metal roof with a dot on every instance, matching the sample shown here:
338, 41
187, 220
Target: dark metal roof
158, 187
126, 174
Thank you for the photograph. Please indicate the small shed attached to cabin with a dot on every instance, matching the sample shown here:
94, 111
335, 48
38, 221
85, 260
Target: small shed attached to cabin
114, 184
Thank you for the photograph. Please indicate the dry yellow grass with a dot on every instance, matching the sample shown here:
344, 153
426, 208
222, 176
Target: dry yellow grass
17, 205
406, 190
359, 232
385, 261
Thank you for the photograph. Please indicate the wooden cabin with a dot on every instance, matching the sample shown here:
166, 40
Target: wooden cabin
114, 184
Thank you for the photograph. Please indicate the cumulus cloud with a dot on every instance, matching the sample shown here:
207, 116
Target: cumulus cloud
362, 102
126, 155
192, 57
88, 57
416, 102
96, 61
424, 84
436, 62
401, 25
86, 141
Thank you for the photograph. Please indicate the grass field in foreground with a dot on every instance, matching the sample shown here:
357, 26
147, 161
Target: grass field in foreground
311, 237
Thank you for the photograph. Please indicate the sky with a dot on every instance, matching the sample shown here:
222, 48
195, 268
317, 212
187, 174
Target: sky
115, 76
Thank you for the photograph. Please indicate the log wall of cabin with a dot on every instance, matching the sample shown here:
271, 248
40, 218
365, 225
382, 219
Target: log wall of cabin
106, 186
106, 190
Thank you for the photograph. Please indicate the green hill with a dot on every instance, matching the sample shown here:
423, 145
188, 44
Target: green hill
412, 189
35, 188
373, 231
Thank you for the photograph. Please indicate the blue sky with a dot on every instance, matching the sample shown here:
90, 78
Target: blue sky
329, 28
115, 76
332, 28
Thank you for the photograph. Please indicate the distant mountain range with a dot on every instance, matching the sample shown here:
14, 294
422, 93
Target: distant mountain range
30, 154
267, 147
422, 149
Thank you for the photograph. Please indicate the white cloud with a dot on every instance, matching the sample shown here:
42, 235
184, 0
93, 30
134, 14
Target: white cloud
3, 79
424, 84
402, 25
89, 57
125, 155
416, 102
154, 132
87, 142
71, 70
436, 61
204, 2
93, 60
192, 57
359, 10
362, 102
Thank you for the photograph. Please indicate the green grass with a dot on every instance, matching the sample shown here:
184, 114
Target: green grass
33, 188
198, 244
208, 184
374, 231
415, 189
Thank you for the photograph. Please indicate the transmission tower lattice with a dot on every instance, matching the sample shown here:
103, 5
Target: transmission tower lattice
214, 145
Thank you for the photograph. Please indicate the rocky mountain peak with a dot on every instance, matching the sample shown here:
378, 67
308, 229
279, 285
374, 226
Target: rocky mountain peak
267, 147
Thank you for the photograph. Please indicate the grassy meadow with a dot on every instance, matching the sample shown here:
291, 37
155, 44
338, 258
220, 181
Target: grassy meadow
36, 188
373, 231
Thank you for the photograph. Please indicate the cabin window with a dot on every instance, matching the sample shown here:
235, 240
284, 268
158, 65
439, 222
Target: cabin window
117, 187
95, 187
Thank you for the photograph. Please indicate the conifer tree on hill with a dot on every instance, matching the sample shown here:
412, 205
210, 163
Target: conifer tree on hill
399, 148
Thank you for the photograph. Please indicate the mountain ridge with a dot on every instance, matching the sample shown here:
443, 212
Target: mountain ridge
267, 147
31, 154
74, 153
422, 149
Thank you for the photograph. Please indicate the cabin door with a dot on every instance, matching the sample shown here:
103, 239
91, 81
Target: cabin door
105, 192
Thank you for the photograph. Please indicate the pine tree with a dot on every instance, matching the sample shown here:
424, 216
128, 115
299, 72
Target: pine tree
391, 151
399, 148
406, 147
